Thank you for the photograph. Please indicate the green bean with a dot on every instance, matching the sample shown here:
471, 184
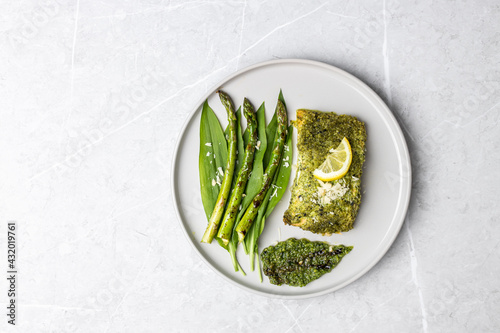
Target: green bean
236, 196
213, 223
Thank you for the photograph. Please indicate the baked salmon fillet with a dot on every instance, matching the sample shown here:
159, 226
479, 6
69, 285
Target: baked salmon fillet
325, 207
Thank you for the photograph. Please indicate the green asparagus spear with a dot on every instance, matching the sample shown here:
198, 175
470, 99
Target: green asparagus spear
234, 202
251, 212
213, 223
273, 196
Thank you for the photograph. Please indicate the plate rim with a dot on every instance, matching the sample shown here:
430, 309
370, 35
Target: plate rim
403, 157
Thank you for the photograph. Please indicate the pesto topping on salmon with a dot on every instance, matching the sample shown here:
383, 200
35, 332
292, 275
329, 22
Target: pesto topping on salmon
325, 207
296, 262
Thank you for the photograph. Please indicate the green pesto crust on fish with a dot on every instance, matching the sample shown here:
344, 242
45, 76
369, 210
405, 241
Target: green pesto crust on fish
317, 133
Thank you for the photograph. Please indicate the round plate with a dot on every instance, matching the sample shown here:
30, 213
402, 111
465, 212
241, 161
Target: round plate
386, 180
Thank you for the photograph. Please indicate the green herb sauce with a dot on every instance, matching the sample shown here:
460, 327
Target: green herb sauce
296, 262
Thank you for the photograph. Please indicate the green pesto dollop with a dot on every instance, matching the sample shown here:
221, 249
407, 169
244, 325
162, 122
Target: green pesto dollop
296, 262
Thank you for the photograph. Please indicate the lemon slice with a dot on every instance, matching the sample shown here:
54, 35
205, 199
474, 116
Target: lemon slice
336, 164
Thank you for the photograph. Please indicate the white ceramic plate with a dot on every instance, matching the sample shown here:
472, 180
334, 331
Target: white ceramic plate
386, 180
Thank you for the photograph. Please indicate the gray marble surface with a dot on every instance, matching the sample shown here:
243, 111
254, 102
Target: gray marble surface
93, 96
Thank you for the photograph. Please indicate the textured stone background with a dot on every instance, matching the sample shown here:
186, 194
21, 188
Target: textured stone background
93, 94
